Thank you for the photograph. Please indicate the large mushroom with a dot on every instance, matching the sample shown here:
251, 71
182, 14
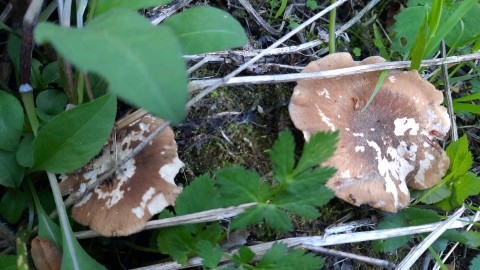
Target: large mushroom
384, 148
141, 188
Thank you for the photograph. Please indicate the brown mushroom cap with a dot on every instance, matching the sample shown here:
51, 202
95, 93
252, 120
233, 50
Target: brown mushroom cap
142, 187
45, 254
386, 147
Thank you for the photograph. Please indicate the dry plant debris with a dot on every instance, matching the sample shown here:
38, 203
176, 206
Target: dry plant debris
387, 146
141, 188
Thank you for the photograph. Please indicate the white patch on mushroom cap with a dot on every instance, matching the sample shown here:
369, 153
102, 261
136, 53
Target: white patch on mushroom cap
170, 170
425, 164
359, 148
345, 174
306, 135
358, 134
157, 204
404, 124
139, 210
144, 127
398, 168
84, 199
325, 119
323, 93
392, 79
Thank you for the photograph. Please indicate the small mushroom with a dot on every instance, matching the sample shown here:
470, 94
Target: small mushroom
384, 148
141, 188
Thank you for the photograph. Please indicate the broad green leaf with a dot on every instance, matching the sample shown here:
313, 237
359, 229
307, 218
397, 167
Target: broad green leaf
466, 30
461, 159
475, 263
8, 262
278, 219
11, 121
407, 29
74, 256
11, 173
210, 254
200, 195
471, 97
47, 228
250, 216
238, 185
466, 107
50, 103
465, 186
71, 139
279, 257
105, 5
142, 63
24, 152
22, 251
12, 204
408, 217
51, 73
282, 155
206, 29
320, 147
438, 195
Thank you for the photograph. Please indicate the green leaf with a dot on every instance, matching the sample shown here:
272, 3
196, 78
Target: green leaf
24, 153
74, 256
75, 136
381, 78
142, 63
320, 147
244, 256
210, 254
50, 103
51, 73
467, 185
468, 238
408, 217
278, 219
461, 159
282, 155
11, 121
12, 205
466, 107
206, 29
438, 195
11, 173
407, 29
105, 5
22, 251
8, 262
251, 216
279, 258
238, 185
475, 263
199, 195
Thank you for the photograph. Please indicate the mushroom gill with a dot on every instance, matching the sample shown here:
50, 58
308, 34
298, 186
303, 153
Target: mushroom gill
141, 188
384, 148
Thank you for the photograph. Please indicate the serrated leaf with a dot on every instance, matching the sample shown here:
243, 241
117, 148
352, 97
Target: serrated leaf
210, 254
199, 195
310, 180
50, 103
465, 186
75, 136
105, 5
278, 219
438, 195
177, 242
12, 205
244, 256
475, 263
11, 121
408, 217
279, 258
142, 63
206, 29
321, 146
238, 185
8, 262
250, 216
461, 159
407, 29
11, 173
282, 155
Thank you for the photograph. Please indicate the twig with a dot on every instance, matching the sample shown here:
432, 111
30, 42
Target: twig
365, 259
259, 18
417, 251
6, 12
199, 217
357, 17
200, 84
260, 55
448, 94
319, 241
168, 11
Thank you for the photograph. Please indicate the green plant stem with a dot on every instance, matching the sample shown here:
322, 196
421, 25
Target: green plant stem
443, 182
29, 104
331, 29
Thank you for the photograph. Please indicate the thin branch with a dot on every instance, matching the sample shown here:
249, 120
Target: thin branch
448, 94
259, 18
199, 217
417, 251
167, 11
320, 241
261, 79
